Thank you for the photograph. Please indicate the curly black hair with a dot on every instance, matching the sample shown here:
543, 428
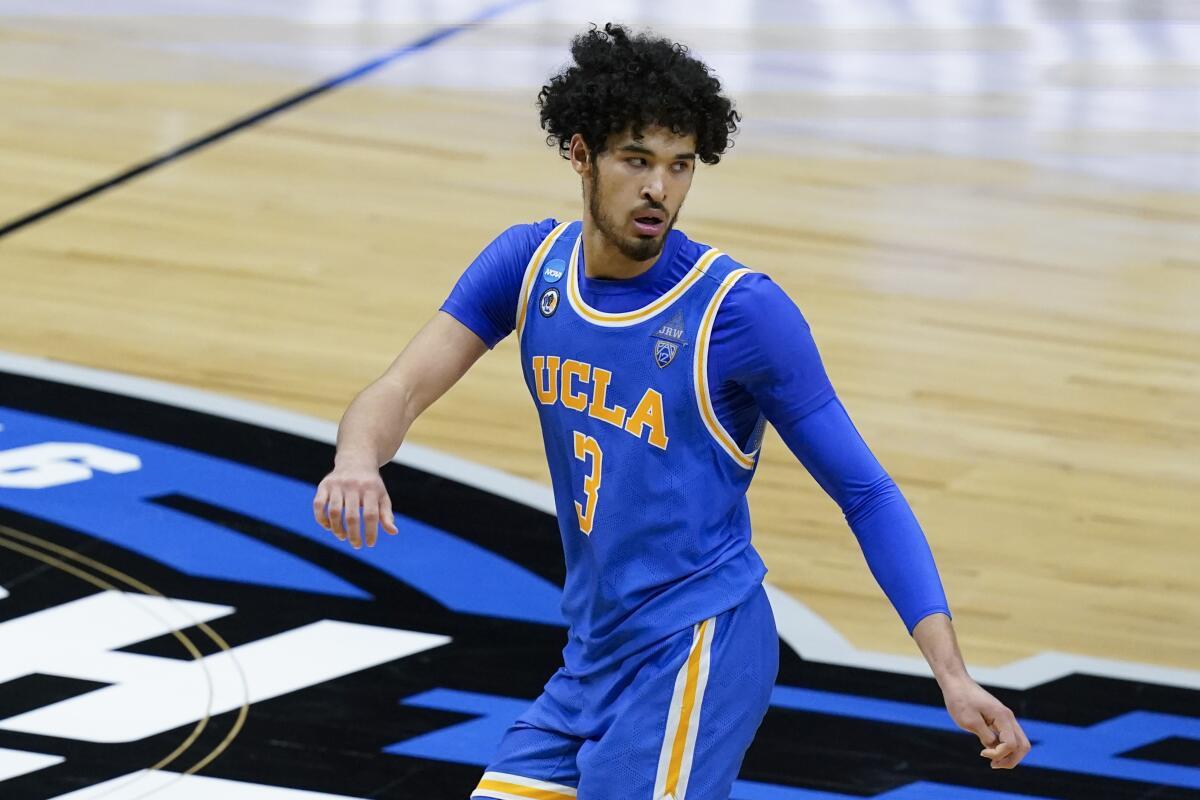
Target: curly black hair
620, 81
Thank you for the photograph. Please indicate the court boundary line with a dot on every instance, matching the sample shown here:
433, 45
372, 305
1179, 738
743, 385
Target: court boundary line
255, 117
813, 638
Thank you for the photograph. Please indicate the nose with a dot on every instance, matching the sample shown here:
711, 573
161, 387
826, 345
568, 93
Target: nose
655, 189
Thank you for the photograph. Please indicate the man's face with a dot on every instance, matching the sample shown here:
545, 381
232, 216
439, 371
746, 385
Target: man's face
638, 187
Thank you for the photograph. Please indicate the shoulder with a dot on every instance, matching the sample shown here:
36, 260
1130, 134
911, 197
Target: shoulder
504, 258
758, 328
752, 300
522, 239
749, 290
486, 295
755, 297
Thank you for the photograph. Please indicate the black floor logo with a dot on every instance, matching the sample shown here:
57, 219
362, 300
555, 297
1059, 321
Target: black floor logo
173, 624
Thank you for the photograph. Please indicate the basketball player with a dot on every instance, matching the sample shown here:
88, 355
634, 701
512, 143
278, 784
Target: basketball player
654, 362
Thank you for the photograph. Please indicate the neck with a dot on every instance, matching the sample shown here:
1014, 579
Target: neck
602, 259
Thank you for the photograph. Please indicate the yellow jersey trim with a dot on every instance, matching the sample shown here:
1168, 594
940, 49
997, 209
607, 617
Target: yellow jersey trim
700, 376
531, 271
623, 318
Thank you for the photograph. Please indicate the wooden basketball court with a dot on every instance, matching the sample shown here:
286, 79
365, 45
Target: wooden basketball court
991, 220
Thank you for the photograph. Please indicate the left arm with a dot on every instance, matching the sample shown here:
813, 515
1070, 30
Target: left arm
898, 554
779, 366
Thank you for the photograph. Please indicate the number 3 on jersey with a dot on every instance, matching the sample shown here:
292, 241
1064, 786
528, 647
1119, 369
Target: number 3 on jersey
588, 446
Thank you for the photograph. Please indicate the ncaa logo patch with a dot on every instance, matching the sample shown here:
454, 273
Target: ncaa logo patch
553, 270
549, 302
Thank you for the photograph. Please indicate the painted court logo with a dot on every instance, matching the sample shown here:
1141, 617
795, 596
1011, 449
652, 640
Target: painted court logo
167, 602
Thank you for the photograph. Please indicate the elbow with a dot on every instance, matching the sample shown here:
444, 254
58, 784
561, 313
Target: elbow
873, 496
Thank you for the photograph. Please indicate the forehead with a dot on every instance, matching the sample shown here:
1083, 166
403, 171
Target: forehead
656, 138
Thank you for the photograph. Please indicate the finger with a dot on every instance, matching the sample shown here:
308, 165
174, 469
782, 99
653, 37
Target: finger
1012, 748
370, 518
353, 515
1023, 746
388, 517
1025, 743
320, 514
979, 727
1008, 731
335, 513
999, 751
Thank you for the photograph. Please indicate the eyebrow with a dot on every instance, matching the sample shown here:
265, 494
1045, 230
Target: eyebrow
635, 148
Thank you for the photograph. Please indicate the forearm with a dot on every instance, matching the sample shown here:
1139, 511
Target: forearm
896, 550
374, 425
935, 636
888, 533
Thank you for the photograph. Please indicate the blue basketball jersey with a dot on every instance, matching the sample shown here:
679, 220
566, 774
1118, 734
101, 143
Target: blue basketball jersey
650, 489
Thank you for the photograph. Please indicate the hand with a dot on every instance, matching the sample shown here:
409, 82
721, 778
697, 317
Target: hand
975, 710
355, 489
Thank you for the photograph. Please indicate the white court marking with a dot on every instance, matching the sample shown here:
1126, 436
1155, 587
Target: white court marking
149, 695
800, 628
14, 763
175, 786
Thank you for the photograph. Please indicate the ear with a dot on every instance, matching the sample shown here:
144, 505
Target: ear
580, 155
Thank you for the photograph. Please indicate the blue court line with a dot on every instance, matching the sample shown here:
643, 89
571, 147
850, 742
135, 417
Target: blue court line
123, 509
255, 117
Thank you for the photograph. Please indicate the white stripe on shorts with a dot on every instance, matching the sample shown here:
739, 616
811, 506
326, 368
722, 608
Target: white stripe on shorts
683, 718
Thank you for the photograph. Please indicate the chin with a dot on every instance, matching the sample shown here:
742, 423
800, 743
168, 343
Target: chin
643, 248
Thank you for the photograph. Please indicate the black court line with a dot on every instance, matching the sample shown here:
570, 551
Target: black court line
256, 117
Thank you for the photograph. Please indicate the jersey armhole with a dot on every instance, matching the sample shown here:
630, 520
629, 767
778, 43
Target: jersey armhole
531, 271
700, 377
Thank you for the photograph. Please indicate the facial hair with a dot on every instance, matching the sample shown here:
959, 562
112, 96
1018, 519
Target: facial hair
635, 249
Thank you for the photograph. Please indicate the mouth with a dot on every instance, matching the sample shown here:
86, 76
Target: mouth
650, 222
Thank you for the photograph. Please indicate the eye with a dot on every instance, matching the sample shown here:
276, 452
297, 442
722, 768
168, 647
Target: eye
637, 162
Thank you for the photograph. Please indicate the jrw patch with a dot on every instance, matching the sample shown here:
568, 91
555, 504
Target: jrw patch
668, 339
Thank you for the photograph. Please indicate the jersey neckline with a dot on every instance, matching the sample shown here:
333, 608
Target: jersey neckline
639, 282
634, 316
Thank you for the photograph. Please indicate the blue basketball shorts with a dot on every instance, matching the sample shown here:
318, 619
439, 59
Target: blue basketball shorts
672, 721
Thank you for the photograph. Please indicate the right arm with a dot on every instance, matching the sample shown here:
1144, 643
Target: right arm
480, 311
375, 424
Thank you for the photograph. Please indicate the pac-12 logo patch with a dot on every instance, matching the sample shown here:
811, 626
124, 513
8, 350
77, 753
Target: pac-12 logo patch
664, 352
549, 302
553, 270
